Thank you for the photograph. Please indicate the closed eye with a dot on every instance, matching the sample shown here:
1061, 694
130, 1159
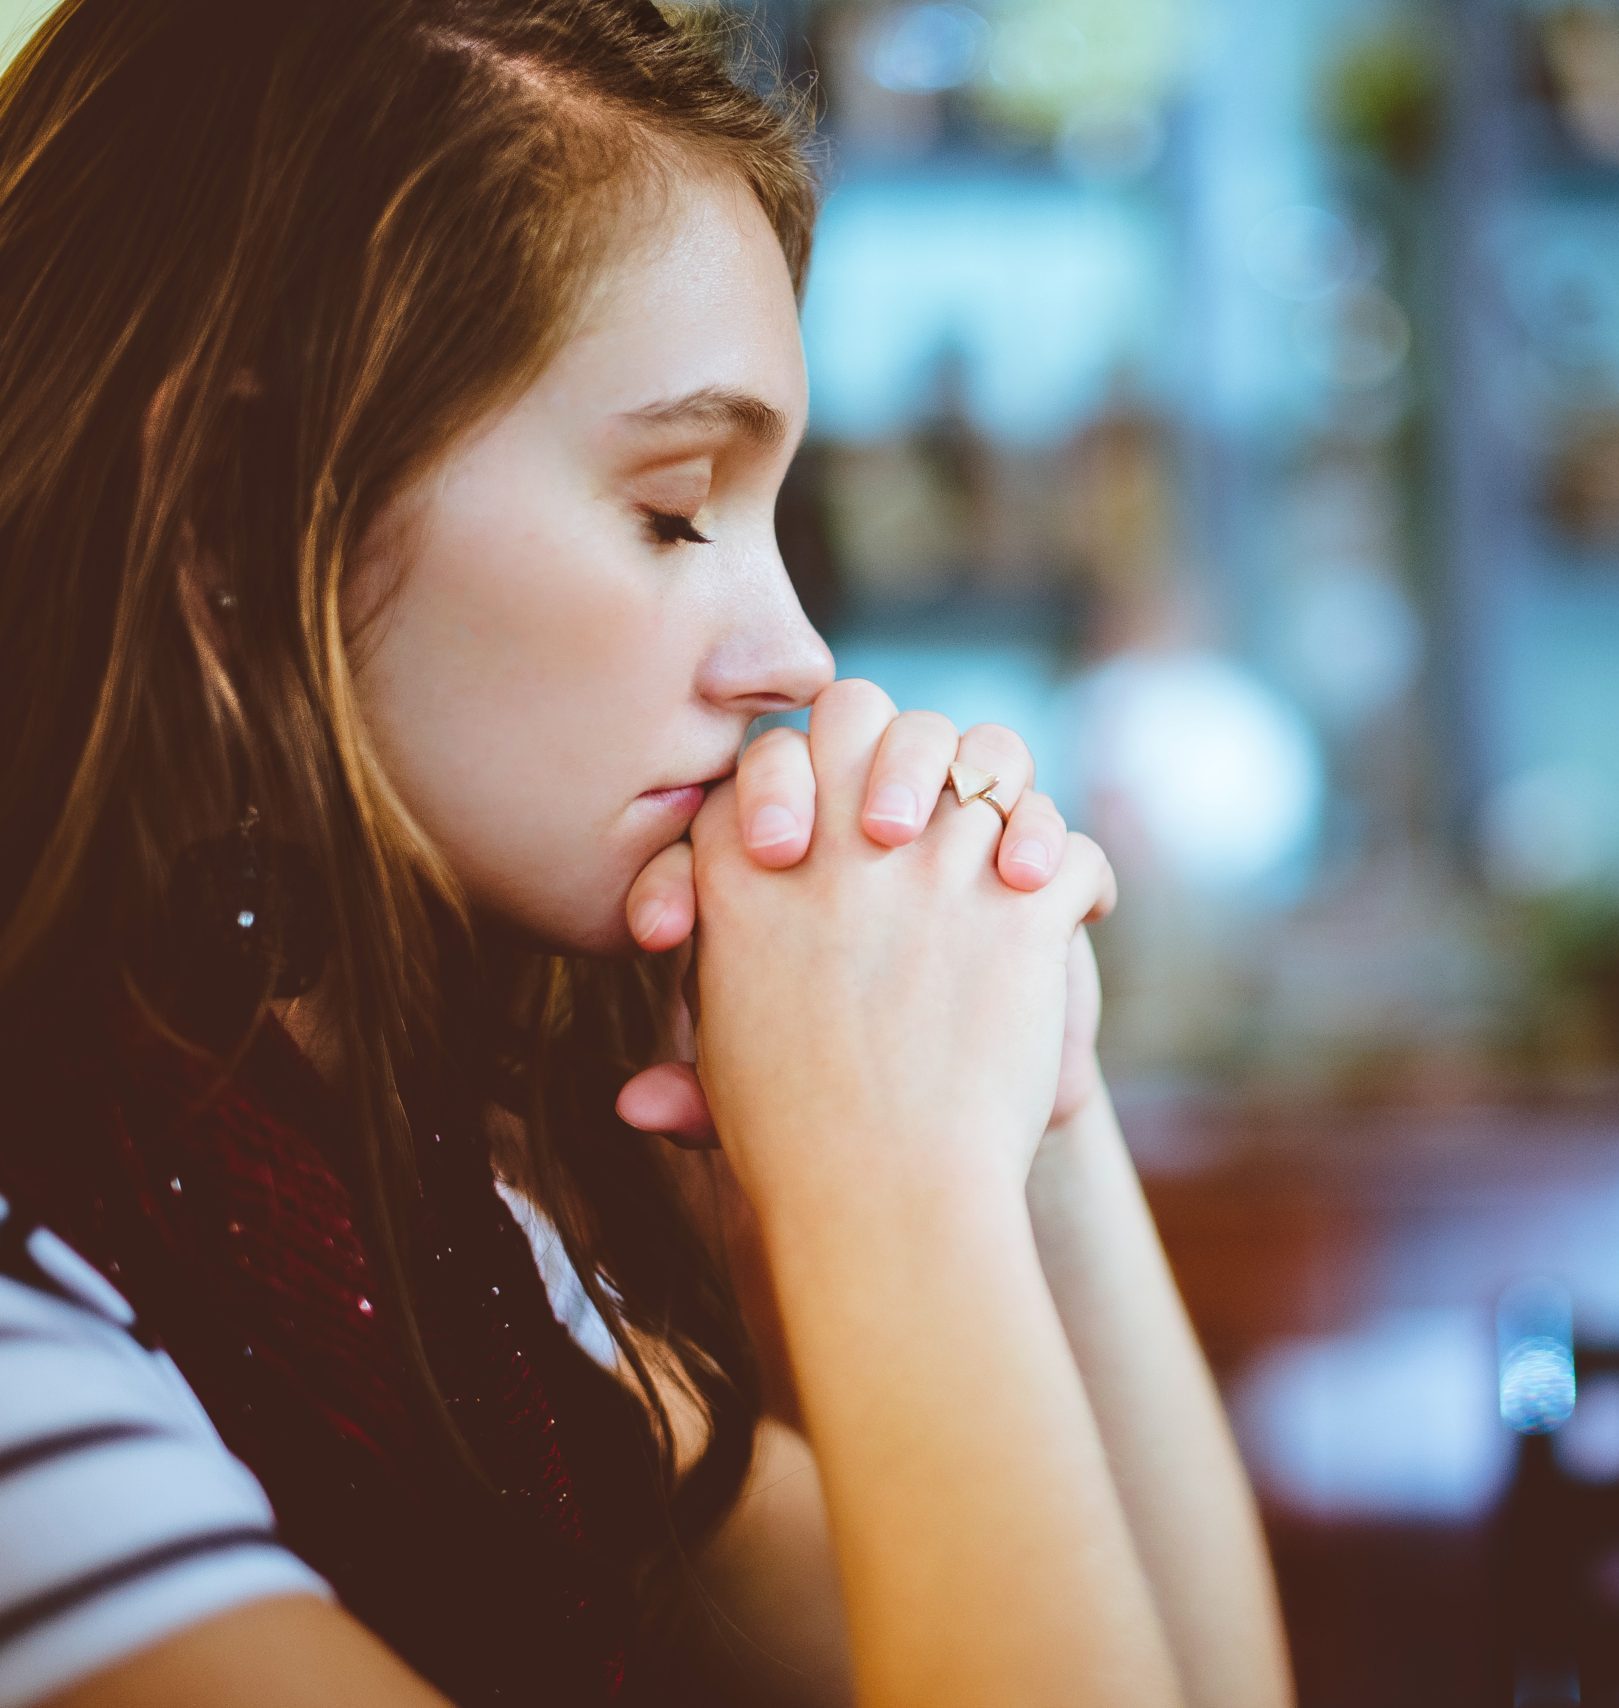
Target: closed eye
667, 528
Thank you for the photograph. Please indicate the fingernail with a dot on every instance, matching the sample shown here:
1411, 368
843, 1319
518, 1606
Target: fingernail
895, 804
1030, 853
770, 826
648, 917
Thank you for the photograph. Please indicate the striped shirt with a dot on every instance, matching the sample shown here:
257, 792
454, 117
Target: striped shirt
123, 1515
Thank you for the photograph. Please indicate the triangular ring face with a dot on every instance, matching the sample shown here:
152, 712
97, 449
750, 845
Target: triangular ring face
968, 782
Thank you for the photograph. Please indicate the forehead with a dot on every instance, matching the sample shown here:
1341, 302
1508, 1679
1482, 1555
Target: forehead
693, 327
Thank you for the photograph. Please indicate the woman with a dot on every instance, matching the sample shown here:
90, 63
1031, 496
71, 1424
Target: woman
393, 399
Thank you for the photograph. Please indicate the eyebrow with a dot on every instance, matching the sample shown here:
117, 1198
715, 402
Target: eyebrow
758, 423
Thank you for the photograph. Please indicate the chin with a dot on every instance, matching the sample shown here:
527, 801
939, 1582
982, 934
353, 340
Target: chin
603, 932
608, 943
613, 943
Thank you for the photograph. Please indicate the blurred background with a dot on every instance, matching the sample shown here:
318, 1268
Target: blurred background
1226, 396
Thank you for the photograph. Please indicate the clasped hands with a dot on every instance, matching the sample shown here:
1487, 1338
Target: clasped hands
773, 792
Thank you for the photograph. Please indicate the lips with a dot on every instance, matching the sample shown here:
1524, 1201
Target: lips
696, 783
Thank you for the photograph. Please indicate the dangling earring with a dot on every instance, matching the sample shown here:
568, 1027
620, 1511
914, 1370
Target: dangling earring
247, 915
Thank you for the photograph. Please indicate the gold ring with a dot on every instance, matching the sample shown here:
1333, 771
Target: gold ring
973, 785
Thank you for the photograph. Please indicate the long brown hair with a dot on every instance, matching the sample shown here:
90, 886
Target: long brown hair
389, 214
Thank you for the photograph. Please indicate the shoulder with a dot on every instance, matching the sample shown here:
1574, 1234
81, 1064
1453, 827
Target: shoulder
123, 1516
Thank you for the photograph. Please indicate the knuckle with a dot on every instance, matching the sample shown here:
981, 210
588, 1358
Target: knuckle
861, 686
772, 756
910, 750
771, 744
1085, 848
858, 691
1039, 804
928, 724
1002, 740
1085, 865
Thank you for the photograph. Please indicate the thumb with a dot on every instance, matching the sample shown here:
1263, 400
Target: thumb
668, 1099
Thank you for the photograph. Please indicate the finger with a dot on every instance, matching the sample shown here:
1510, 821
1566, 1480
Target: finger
661, 906
1107, 893
1032, 843
1084, 887
686, 1042
682, 1031
1079, 1070
846, 724
913, 756
668, 1099
974, 826
775, 792
719, 861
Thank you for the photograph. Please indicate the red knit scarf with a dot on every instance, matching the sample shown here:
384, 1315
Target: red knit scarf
235, 1233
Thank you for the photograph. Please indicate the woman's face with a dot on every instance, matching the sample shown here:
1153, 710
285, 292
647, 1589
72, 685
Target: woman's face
548, 658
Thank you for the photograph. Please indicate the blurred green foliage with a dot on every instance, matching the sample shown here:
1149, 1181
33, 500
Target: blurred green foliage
1384, 95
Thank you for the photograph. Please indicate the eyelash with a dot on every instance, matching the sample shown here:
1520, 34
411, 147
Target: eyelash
658, 520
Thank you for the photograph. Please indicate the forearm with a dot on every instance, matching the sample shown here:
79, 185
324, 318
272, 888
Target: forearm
1184, 1491
982, 1548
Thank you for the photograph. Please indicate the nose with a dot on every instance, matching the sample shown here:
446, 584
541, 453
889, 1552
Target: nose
769, 657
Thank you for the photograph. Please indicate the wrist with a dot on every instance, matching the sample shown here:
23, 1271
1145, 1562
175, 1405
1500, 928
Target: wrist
1069, 1140
860, 1194
1078, 1085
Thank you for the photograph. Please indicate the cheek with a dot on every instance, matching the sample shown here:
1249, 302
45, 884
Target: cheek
517, 705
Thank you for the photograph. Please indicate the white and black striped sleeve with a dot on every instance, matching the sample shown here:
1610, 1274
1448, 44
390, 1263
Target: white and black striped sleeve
123, 1515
